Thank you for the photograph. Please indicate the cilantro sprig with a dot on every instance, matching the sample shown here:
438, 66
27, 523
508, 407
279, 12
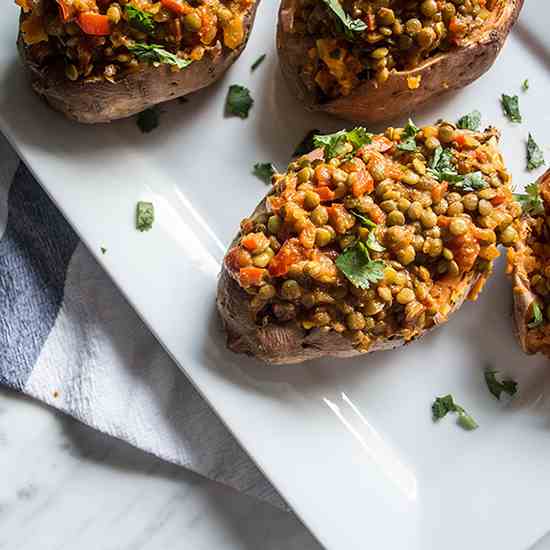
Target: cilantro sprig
510, 106
350, 24
335, 144
258, 62
239, 101
496, 387
306, 145
145, 216
139, 19
530, 201
446, 404
442, 169
538, 318
358, 267
149, 119
264, 171
471, 121
153, 53
535, 156
408, 138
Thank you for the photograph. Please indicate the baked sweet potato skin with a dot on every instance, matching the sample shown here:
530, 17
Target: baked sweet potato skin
531, 340
371, 103
288, 343
100, 102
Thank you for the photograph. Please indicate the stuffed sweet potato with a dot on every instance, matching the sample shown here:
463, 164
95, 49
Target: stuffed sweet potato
101, 60
529, 267
367, 243
370, 61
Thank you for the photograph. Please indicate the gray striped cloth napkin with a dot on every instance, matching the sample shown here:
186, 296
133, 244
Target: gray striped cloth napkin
69, 339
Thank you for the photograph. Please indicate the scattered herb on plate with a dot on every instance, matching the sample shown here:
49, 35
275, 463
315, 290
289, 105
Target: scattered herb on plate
103, 250
538, 319
157, 54
356, 264
258, 62
510, 105
139, 19
306, 145
446, 404
525, 85
239, 101
264, 171
408, 138
148, 120
535, 156
145, 215
336, 144
530, 201
471, 121
496, 387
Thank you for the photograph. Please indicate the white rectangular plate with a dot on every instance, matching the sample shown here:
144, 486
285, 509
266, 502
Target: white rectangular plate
349, 444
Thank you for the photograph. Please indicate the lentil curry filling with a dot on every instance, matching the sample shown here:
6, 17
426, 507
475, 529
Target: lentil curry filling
377, 243
395, 35
106, 39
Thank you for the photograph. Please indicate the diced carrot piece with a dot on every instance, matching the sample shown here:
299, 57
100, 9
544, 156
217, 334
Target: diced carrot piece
340, 219
322, 175
176, 7
443, 221
290, 253
379, 143
376, 214
94, 24
251, 276
363, 183
252, 241
438, 191
325, 193
498, 199
460, 140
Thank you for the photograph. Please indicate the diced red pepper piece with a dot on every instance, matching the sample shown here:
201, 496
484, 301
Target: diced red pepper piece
94, 24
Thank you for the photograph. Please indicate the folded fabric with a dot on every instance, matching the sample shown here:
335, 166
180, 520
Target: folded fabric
69, 339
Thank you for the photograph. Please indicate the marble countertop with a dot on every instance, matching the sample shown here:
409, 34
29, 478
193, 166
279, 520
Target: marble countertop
66, 486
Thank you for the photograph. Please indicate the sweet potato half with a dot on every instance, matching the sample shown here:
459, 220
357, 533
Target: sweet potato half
371, 102
131, 93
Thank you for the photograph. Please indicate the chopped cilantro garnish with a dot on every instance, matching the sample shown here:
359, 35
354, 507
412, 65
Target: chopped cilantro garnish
103, 250
350, 24
239, 101
530, 201
334, 144
442, 169
496, 387
510, 105
472, 182
264, 171
356, 264
363, 219
145, 215
139, 19
538, 319
446, 404
408, 138
535, 156
306, 145
157, 54
525, 85
258, 62
471, 121
148, 120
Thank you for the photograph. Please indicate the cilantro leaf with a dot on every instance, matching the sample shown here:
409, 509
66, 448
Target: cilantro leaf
510, 105
373, 243
350, 24
306, 145
496, 387
525, 85
538, 318
239, 101
145, 216
334, 144
264, 171
258, 62
530, 201
535, 156
103, 250
363, 219
471, 121
139, 19
441, 166
148, 120
446, 404
472, 182
356, 264
408, 138
153, 53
